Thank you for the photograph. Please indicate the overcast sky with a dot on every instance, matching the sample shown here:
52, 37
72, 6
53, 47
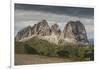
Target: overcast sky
26, 15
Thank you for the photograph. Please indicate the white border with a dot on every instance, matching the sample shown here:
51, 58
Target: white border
78, 3
12, 35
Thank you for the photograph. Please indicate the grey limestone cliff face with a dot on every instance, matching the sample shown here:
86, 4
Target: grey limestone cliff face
74, 31
43, 28
24, 33
34, 29
55, 29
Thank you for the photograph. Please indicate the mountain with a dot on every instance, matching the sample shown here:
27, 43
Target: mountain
43, 28
24, 33
55, 29
74, 32
34, 29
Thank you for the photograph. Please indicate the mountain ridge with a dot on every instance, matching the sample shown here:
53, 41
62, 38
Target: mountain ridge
74, 32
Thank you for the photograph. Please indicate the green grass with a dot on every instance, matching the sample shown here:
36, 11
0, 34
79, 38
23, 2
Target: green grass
43, 47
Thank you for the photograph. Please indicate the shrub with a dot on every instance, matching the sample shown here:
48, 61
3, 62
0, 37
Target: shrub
29, 49
63, 53
89, 54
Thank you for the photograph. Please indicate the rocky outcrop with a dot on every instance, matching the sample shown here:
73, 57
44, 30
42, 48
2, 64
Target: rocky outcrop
24, 33
74, 32
55, 29
54, 34
34, 29
43, 28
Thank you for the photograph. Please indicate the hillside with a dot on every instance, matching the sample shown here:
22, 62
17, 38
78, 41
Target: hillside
36, 46
41, 40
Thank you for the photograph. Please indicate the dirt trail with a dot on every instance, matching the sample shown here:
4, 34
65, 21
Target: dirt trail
25, 59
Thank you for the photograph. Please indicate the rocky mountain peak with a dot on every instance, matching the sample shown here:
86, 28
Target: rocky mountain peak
55, 29
44, 22
43, 28
75, 31
26, 32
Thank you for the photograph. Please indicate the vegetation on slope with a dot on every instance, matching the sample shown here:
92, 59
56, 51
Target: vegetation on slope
43, 47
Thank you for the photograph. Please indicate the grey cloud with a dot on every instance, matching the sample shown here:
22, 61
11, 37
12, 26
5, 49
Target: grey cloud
26, 17
78, 11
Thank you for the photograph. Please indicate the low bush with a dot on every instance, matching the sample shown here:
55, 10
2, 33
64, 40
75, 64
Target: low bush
63, 53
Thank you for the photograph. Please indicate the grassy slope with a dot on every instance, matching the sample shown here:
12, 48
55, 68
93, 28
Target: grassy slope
42, 47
